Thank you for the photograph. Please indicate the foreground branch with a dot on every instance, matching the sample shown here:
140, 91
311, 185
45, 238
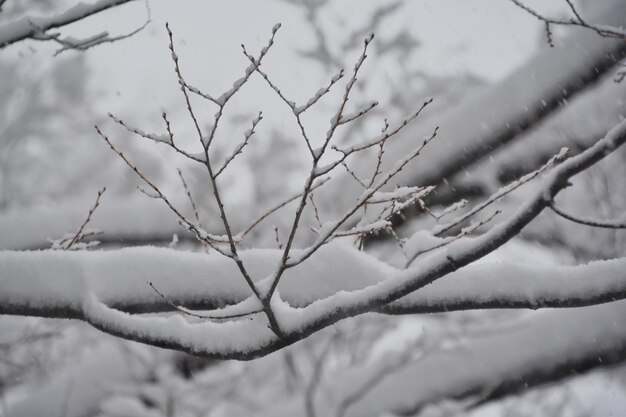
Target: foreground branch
249, 338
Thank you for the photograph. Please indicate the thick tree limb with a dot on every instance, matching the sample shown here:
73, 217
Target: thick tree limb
55, 280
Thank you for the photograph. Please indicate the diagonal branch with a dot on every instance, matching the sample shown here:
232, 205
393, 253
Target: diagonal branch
239, 148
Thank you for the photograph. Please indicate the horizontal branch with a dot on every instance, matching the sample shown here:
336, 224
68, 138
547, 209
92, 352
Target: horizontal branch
50, 283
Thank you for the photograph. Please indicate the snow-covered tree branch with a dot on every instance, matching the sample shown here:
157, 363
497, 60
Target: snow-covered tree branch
251, 336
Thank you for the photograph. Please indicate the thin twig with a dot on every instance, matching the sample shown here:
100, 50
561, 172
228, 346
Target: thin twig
190, 197
439, 230
277, 236
353, 175
78, 235
278, 207
316, 211
605, 224
194, 314
248, 134
167, 139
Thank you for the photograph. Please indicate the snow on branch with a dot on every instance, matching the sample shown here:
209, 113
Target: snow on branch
30, 27
84, 286
55, 284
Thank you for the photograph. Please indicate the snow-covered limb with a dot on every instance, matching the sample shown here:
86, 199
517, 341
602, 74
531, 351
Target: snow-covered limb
70, 43
31, 27
56, 284
70, 290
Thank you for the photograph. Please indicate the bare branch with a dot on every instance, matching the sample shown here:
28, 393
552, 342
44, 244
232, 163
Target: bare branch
606, 224
73, 241
198, 315
78, 235
278, 207
190, 197
317, 213
353, 175
277, 237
